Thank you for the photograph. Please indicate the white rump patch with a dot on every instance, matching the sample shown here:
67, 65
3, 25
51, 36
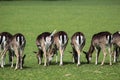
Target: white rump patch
81, 39
3, 39
65, 40
60, 39
18, 38
48, 42
48, 39
108, 37
3, 42
107, 41
77, 40
22, 40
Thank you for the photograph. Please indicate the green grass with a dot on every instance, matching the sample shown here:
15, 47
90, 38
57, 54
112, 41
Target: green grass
34, 17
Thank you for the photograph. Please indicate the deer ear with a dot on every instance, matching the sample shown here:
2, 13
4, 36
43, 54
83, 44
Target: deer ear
84, 52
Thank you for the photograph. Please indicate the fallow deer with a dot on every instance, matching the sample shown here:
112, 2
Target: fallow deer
77, 43
17, 45
116, 45
4, 46
100, 41
60, 43
44, 43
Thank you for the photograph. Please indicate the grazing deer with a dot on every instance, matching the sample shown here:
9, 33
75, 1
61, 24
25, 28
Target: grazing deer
39, 54
4, 46
17, 45
100, 41
116, 44
44, 43
60, 43
77, 43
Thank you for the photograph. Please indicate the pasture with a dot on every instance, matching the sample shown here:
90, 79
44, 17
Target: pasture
34, 17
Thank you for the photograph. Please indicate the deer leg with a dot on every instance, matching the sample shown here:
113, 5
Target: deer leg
45, 58
104, 53
73, 55
96, 60
17, 56
3, 58
17, 62
114, 50
40, 57
2, 55
78, 61
21, 66
109, 50
39, 60
61, 56
21, 52
97, 55
117, 53
2, 61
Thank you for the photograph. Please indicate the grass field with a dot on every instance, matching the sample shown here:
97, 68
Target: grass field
34, 17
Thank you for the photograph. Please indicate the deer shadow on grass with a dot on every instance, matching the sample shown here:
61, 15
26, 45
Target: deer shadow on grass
9, 65
67, 63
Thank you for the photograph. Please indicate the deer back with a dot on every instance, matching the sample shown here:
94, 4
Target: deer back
60, 39
78, 40
116, 38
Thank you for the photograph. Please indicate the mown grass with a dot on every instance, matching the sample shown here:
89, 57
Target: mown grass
34, 17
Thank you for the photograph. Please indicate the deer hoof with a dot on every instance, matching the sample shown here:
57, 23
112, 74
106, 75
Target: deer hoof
2, 66
102, 64
45, 65
15, 69
110, 64
11, 66
78, 64
61, 64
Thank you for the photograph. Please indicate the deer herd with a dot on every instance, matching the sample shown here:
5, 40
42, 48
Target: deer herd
49, 44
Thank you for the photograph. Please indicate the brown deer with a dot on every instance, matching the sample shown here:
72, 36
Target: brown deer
77, 43
17, 45
60, 43
4, 46
44, 43
100, 41
116, 45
